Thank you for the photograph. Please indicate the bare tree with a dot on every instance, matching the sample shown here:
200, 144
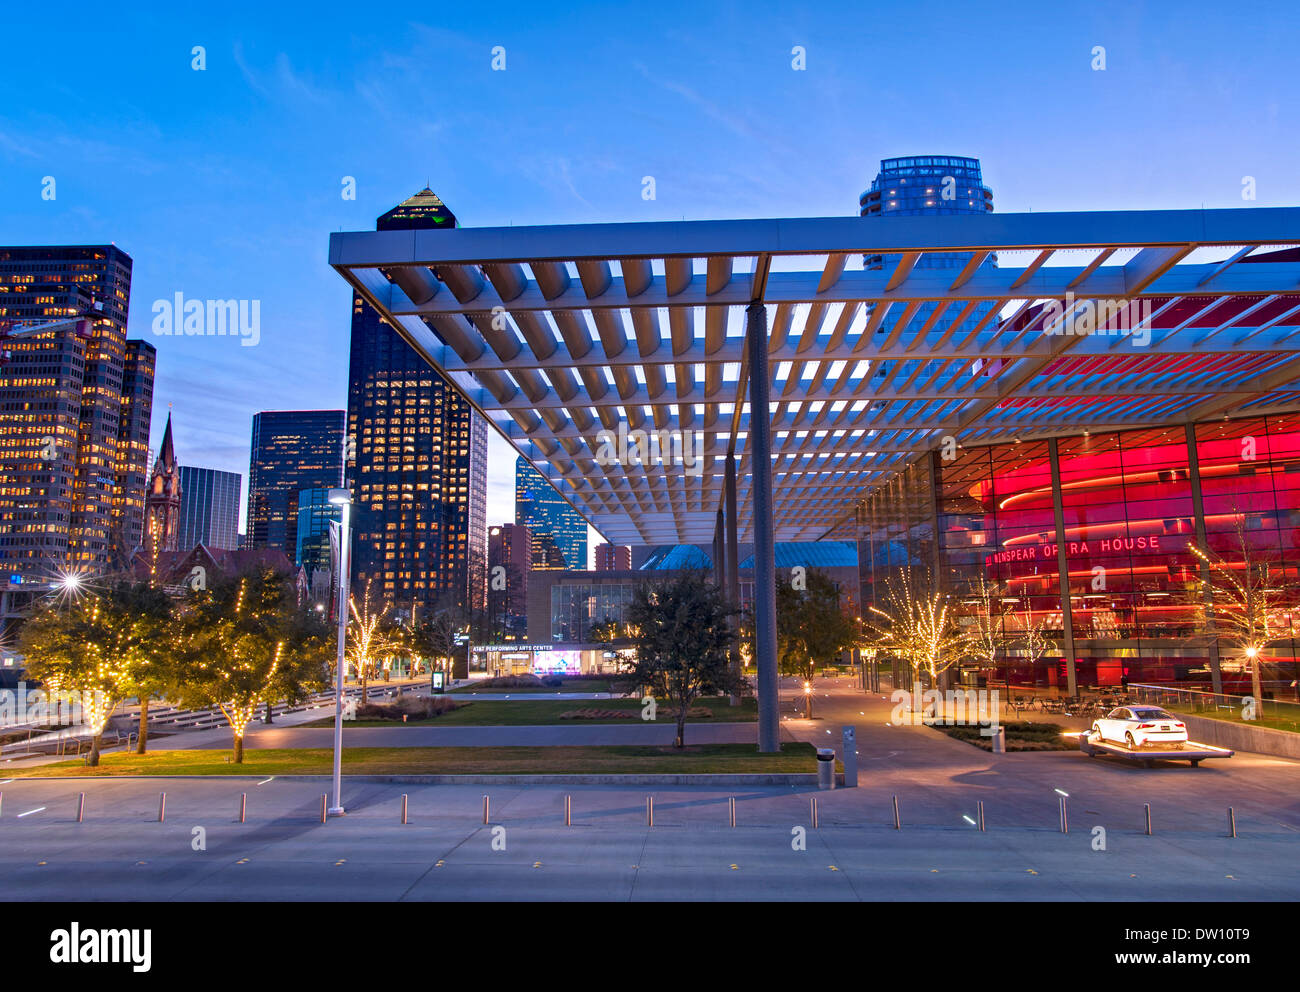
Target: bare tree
436, 636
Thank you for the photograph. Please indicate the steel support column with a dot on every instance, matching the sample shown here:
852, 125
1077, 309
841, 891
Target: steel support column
733, 558
760, 468
719, 561
1063, 566
1198, 511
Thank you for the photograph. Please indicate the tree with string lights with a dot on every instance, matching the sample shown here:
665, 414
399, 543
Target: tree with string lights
1245, 601
101, 646
244, 643
371, 635
919, 623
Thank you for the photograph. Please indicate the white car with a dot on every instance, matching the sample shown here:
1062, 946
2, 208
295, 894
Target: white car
1136, 726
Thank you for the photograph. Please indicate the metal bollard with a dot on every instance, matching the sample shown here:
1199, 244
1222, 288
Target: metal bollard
1065, 820
1147, 806
404, 802
243, 806
162, 807
813, 812
1232, 823
898, 824
649, 811
979, 814
485, 809
2, 802
568, 811
81, 807
324, 806
731, 810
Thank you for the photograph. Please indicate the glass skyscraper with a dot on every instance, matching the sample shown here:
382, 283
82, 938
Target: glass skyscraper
209, 508
558, 531
315, 513
919, 185
418, 470
926, 185
292, 450
74, 412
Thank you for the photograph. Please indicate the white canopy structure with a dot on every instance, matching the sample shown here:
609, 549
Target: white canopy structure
979, 328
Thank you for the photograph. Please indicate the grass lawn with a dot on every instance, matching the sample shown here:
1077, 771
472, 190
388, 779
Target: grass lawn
570, 685
1023, 736
536, 712
705, 758
1233, 715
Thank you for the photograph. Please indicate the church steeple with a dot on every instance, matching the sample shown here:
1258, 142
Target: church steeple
162, 504
166, 454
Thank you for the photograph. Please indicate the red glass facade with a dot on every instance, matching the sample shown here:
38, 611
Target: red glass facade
1128, 513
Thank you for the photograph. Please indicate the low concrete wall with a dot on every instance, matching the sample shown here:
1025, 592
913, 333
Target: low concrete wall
1240, 737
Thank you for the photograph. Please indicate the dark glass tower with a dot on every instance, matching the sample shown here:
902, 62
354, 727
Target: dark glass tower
292, 450
84, 400
926, 185
315, 514
418, 470
209, 508
558, 531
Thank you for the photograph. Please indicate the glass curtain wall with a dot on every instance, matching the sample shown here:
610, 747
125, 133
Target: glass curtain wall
1128, 518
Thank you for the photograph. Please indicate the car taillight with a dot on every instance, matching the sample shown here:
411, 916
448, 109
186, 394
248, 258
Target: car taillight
1180, 726
1146, 726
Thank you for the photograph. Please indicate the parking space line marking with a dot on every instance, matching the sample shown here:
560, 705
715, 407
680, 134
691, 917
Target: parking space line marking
31, 811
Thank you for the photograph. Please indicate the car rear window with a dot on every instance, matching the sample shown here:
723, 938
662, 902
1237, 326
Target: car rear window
1152, 714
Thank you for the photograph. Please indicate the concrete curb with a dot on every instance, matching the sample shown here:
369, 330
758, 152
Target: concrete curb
1241, 737
708, 780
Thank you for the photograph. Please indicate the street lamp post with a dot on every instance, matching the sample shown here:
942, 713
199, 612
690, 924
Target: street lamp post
342, 498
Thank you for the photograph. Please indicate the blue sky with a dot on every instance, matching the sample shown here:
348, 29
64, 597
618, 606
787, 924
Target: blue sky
225, 183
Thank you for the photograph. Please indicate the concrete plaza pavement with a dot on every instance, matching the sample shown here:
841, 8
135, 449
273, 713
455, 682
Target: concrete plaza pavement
445, 852
943, 777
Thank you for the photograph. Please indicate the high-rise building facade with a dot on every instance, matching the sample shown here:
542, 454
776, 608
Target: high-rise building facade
133, 443
209, 508
292, 450
559, 532
613, 558
75, 404
418, 465
926, 185
510, 556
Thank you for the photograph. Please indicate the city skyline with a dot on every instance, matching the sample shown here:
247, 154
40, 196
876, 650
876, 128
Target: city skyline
793, 452
692, 127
